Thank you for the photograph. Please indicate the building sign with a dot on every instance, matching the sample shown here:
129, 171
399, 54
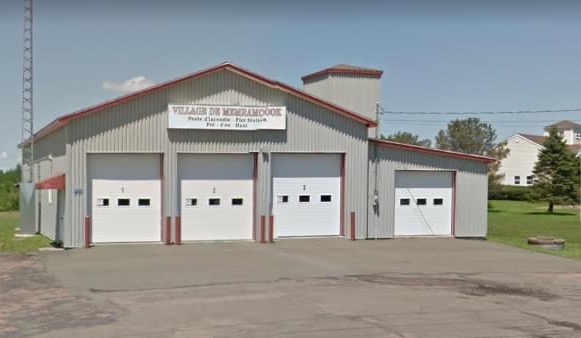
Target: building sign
188, 116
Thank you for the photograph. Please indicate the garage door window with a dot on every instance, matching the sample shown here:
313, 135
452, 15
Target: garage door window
191, 202
282, 198
144, 202
422, 201
404, 201
102, 202
438, 201
304, 198
123, 202
214, 202
326, 198
237, 201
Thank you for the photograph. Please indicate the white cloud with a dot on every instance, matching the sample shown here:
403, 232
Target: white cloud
128, 86
3, 155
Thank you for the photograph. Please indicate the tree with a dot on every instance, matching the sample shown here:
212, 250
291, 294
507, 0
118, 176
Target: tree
472, 136
8, 193
556, 173
408, 138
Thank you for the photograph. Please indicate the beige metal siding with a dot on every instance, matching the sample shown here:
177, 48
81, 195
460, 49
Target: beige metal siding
141, 126
358, 93
471, 189
53, 146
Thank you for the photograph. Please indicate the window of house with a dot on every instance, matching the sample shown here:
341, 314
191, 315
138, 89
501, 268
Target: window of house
304, 198
237, 201
421, 201
517, 180
530, 180
578, 136
404, 201
282, 198
214, 201
438, 201
191, 202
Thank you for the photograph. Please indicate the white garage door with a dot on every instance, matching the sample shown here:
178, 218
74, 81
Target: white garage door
307, 194
216, 196
125, 192
423, 203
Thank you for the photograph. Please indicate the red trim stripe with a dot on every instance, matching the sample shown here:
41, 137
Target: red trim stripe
55, 182
339, 71
440, 152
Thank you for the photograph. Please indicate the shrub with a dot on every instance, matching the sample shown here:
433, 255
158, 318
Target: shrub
511, 193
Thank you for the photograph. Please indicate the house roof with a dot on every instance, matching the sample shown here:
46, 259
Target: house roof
344, 70
66, 119
439, 152
565, 124
538, 139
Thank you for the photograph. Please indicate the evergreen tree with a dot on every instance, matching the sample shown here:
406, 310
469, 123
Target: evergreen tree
556, 173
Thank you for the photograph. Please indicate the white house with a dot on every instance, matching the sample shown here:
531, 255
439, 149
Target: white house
518, 166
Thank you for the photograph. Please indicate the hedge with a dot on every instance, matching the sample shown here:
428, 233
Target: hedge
511, 193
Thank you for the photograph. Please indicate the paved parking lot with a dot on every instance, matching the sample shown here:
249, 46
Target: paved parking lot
294, 288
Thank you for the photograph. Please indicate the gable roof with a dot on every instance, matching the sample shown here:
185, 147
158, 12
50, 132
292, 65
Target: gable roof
538, 139
565, 124
439, 152
66, 119
344, 69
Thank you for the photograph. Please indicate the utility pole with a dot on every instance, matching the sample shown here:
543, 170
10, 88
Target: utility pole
27, 97
376, 166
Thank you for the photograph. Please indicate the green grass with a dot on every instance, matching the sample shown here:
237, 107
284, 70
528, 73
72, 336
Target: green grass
9, 243
511, 222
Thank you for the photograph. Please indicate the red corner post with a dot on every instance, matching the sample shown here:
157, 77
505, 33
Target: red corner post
87, 232
271, 229
352, 230
262, 229
178, 230
167, 231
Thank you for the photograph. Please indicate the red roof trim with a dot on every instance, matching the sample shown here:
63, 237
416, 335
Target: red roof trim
432, 151
55, 182
65, 119
362, 72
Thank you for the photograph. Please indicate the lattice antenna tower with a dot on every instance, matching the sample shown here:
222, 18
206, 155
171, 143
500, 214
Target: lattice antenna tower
27, 96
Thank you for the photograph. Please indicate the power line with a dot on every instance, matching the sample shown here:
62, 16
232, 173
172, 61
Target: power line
383, 111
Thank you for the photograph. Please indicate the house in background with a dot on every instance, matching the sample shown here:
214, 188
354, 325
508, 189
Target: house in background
518, 166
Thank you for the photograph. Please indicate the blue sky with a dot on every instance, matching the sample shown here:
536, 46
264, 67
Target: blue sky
437, 55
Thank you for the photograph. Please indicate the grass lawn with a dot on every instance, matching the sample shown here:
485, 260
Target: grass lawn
511, 222
9, 243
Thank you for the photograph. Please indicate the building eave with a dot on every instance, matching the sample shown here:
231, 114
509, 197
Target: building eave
66, 119
439, 152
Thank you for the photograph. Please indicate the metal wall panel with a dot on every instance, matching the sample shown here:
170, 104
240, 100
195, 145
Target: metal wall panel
358, 93
140, 126
49, 160
471, 189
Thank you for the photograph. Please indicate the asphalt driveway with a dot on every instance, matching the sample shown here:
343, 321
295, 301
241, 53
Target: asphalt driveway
294, 288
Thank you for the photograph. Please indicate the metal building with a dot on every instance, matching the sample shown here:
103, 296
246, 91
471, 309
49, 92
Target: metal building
228, 154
